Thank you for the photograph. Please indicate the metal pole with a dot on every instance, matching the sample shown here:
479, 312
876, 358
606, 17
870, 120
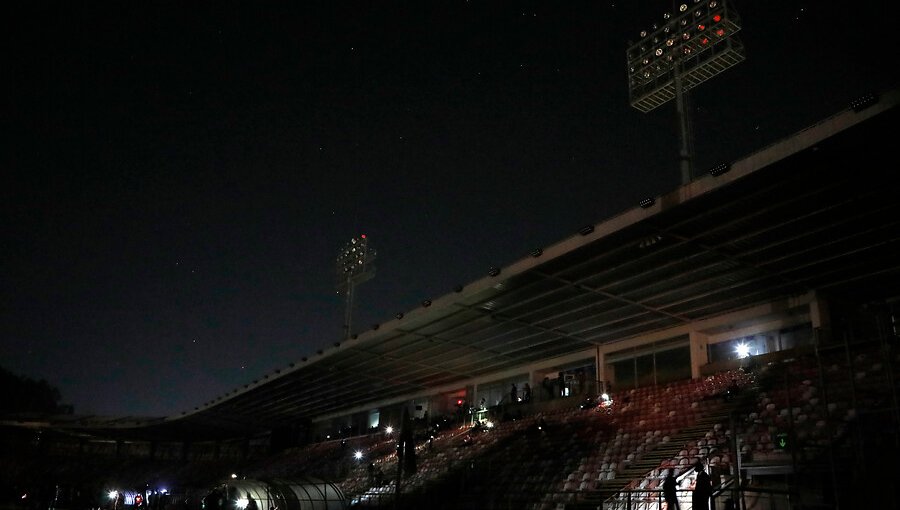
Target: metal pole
823, 385
348, 313
738, 494
684, 154
791, 432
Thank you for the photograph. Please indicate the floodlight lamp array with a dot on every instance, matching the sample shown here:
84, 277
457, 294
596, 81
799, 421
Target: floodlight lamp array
355, 262
698, 38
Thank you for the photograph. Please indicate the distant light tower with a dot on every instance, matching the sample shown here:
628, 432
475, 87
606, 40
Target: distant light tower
692, 45
355, 265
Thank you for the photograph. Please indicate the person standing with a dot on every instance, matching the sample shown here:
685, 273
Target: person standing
526, 393
702, 489
251, 503
548, 387
670, 491
514, 394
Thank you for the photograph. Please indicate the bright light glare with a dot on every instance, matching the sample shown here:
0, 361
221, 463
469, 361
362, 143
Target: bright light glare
743, 350
389, 429
243, 502
489, 424
113, 494
233, 475
357, 455
605, 396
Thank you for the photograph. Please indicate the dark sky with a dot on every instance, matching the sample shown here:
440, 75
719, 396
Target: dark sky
179, 176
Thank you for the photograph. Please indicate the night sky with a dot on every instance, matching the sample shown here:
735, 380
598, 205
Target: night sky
180, 176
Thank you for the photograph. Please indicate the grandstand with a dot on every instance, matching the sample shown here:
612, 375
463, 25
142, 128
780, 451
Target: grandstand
746, 321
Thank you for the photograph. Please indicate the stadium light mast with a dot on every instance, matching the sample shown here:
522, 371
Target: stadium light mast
355, 265
690, 46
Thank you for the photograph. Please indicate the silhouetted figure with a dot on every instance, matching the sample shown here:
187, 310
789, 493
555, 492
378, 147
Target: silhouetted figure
702, 489
582, 379
513, 394
548, 386
670, 491
733, 390
526, 393
251, 503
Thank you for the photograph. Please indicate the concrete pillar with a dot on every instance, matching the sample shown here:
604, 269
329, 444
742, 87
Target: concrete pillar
600, 361
820, 317
699, 353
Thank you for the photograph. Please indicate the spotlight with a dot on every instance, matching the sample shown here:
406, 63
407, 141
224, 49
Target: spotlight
537, 253
494, 271
719, 169
650, 241
585, 230
426, 303
389, 429
742, 350
647, 202
357, 455
861, 103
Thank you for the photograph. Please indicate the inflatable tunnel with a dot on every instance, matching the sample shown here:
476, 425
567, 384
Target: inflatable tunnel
275, 494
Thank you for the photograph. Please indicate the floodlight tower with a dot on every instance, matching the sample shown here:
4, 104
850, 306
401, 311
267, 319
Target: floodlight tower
355, 265
690, 46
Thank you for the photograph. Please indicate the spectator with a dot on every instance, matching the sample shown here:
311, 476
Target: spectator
733, 389
670, 491
548, 387
702, 489
526, 393
514, 394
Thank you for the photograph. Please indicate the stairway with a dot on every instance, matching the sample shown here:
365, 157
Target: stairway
651, 459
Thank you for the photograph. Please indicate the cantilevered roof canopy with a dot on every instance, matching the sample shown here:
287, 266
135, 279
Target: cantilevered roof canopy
818, 211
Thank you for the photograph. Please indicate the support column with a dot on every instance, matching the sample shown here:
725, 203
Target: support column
600, 361
820, 317
699, 353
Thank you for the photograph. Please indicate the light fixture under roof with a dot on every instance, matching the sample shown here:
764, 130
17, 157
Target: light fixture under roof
861, 103
647, 202
719, 169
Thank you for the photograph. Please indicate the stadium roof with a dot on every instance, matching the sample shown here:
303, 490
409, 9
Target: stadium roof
817, 211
